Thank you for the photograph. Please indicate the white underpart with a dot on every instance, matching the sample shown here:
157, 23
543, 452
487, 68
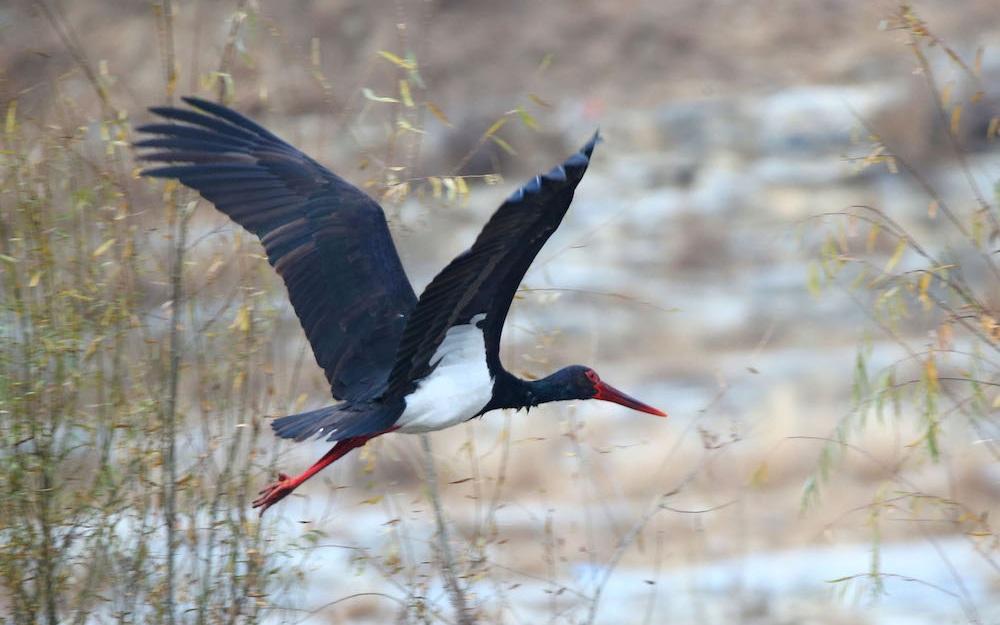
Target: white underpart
457, 389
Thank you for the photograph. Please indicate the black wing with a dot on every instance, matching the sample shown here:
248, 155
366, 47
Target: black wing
484, 278
327, 239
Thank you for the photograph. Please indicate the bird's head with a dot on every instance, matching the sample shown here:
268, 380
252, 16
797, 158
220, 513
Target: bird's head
580, 382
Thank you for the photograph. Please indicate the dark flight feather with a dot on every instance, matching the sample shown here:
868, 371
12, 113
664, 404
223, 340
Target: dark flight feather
327, 239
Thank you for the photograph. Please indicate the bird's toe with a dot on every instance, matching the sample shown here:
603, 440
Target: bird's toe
274, 493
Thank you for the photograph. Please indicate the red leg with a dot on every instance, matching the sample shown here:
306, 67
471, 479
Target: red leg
285, 485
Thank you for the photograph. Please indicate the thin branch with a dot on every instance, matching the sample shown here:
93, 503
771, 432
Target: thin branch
455, 590
164, 13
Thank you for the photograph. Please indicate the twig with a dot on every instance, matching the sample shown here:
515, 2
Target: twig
169, 416
447, 560
69, 41
633, 534
657, 562
226, 60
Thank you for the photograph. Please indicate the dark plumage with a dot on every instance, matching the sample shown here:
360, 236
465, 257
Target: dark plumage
398, 363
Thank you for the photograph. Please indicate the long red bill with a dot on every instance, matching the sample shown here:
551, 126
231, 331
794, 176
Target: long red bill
606, 392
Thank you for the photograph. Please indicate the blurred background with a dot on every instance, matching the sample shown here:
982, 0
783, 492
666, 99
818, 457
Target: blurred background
787, 240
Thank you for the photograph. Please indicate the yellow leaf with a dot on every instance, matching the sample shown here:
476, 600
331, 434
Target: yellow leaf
922, 286
991, 131
92, 348
873, 236
527, 119
172, 81
103, 247
437, 112
397, 192
435, 186
463, 189
546, 61
539, 101
372, 500
314, 51
896, 256
497, 125
299, 402
169, 187
930, 371
759, 477
404, 92
11, 125
35, 279
213, 268
990, 326
813, 280
946, 94
944, 335
956, 119
399, 62
242, 320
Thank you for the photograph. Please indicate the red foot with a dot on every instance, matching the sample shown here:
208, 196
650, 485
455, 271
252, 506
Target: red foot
275, 492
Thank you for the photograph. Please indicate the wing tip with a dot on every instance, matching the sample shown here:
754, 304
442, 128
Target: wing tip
582, 158
573, 167
588, 147
569, 171
199, 103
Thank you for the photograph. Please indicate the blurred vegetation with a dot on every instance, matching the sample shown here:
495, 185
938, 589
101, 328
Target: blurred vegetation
929, 282
136, 354
98, 453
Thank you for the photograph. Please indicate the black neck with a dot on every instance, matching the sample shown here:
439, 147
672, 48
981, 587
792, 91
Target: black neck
510, 391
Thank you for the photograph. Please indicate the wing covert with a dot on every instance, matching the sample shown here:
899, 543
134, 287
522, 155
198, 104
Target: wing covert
327, 239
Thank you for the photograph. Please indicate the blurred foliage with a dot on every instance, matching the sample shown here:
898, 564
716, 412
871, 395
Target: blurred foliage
97, 454
136, 359
936, 305
84, 381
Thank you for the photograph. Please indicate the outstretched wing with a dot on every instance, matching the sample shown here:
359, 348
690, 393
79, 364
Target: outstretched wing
484, 278
327, 239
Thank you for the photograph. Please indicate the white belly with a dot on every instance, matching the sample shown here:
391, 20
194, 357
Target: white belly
457, 389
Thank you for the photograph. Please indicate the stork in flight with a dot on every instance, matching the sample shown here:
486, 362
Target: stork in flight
397, 362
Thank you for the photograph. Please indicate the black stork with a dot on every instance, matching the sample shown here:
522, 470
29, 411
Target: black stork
396, 362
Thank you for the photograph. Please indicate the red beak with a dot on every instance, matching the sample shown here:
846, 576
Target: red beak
606, 392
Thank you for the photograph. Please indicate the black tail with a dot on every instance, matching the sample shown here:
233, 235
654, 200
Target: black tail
344, 420
306, 424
